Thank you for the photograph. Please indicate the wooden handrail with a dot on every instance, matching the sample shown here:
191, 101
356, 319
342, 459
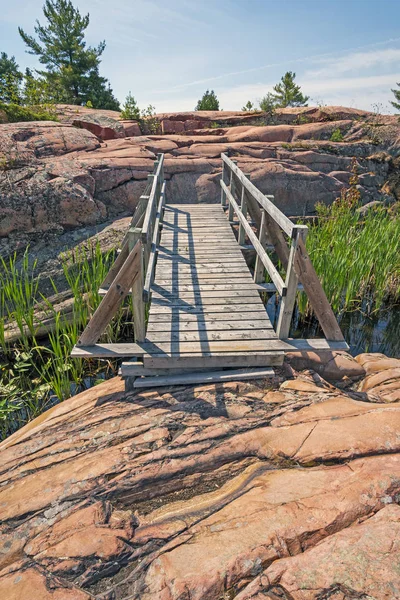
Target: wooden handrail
265, 259
284, 223
276, 227
158, 178
153, 253
133, 269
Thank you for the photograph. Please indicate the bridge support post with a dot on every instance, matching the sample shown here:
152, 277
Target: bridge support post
291, 281
138, 307
243, 208
259, 267
223, 195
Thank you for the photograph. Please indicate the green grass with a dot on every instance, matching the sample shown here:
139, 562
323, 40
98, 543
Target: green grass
356, 257
34, 374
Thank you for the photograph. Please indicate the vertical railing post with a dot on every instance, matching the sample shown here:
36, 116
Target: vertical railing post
243, 209
139, 325
262, 236
223, 195
291, 282
232, 190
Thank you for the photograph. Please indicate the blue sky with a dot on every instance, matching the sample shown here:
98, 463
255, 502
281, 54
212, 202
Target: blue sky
168, 52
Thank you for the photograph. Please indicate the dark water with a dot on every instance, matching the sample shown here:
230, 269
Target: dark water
378, 332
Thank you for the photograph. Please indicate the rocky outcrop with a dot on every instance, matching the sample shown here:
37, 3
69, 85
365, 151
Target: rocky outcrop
274, 489
55, 176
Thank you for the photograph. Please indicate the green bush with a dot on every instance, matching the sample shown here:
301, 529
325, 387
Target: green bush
16, 113
336, 135
130, 109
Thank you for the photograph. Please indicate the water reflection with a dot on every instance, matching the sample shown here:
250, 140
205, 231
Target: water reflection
379, 332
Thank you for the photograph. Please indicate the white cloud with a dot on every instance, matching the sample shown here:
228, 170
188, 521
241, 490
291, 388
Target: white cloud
356, 61
357, 92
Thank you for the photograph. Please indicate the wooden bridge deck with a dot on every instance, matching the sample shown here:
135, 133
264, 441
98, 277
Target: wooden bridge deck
206, 309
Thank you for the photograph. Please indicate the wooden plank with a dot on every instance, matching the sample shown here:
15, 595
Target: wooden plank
267, 262
192, 288
115, 268
107, 351
135, 368
259, 267
202, 262
317, 344
204, 295
180, 348
208, 325
205, 316
283, 221
198, 302
201, 277
287, 302
111, 302
203, 268
316, 295
153, 253
209, 377
250, 359
153, 198
207, 309
207, 336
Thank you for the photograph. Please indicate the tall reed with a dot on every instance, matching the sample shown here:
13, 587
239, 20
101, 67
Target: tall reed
33, 374
357, 256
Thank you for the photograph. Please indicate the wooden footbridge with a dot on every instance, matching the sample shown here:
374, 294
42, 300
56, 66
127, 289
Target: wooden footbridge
185, 267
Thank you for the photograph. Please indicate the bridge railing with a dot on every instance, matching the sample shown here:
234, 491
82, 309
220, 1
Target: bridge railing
133, 269
276, 231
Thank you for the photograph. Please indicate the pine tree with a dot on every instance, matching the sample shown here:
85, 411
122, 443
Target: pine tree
130, 109
268, 103
397, 96
72, 68
248, 107
287, 93
209, 101
10, 80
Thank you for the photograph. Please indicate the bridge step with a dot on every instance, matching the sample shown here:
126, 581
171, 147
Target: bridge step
203, 377
245, 353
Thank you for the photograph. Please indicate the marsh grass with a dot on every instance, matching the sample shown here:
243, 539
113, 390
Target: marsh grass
357, 256
33, 374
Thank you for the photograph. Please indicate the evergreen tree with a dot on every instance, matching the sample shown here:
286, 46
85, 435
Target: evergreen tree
249, 107
130, 109
72, 67
268, 103
287, 93
209, 101
10, 80
397, 96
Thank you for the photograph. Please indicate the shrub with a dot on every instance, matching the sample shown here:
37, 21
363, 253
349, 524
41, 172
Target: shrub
249, 107
16, 113
209, 101
268, 103
130, 110
336, 135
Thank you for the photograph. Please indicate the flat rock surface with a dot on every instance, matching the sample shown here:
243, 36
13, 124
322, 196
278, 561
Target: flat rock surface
57, 176
279, 489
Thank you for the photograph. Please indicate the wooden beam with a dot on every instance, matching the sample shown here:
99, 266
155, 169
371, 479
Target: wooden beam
204, 377
264, 202
153, 253
316, 345
107, 351
288, 301
111, 302
316, 295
